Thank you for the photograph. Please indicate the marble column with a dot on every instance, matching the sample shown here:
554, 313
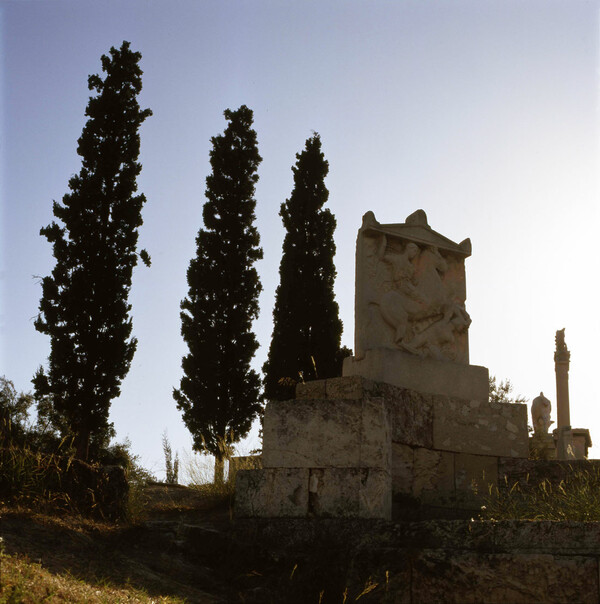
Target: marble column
561, 366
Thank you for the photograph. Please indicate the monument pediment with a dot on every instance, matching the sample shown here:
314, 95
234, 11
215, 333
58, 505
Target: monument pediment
417, 230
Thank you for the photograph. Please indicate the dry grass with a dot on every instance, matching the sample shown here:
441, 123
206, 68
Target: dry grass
576, 498
199, 471
25, 581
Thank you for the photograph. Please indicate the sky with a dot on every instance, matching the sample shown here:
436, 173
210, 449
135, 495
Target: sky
483, 113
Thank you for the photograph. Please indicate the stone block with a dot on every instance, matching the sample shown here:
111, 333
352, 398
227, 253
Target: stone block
322, 433
473, 476
542, 446
582, 441
349, 387
546, 536
433, 482
424, 375
310, 390
481, 428
272, 493
412, 417
403, 467
350, 493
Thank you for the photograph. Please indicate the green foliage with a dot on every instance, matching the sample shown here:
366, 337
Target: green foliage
219, 393
306, 327
84, 307
576, 498
171, 466
39, 469
14, 413
500, 392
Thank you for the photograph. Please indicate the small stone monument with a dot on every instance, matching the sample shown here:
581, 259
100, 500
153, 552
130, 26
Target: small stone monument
541, 444
411, 324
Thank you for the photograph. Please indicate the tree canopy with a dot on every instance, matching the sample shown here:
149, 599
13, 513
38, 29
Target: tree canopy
84, 306
306, 327
219, 393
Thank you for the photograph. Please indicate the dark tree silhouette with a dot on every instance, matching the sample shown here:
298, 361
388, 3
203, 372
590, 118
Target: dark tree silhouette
306, 325
84, 306
219, 394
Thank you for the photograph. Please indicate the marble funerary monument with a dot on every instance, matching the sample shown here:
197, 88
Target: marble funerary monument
409, 425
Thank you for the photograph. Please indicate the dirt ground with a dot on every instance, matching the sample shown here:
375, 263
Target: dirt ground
181, 547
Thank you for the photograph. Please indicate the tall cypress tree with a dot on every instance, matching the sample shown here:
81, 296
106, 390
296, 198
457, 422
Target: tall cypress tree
219, 394
306, 324
84, 306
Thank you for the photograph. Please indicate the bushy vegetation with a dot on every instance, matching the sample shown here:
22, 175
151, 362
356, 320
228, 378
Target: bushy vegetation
501, 391
39, 469
576, 498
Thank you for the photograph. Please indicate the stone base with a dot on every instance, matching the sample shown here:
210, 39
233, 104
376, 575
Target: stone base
542, 447
345, 447
315, 492
321, 433
405, 370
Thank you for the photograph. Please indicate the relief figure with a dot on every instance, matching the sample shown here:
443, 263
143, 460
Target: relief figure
418, 305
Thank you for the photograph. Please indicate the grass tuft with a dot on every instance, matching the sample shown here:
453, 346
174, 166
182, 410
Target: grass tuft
576, 498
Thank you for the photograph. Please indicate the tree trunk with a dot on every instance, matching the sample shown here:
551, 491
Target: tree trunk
82, 445
219, 469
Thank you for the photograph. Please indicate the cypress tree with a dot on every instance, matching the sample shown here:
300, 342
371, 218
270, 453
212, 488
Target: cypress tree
306, 325
84, 306
219, 394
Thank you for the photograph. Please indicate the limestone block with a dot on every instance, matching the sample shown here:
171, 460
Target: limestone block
473, 476
481, 428
327, 433
424, 375
550, 537
309, 390
433, 481
349, 387
272, 493
403, 462
350, 493
412, 418
445, 535
581, 442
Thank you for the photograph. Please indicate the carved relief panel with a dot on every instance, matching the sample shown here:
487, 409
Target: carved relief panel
410, 290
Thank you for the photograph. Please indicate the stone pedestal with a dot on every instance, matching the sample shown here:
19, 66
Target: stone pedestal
350, 447
564, 444
542, 446
423, 375
582, 441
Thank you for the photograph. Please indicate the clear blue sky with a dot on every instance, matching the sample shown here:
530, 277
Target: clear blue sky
483, 113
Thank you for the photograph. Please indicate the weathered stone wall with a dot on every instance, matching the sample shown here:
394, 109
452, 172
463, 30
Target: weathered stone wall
446, 561
365, 443
327, 457
445, 451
